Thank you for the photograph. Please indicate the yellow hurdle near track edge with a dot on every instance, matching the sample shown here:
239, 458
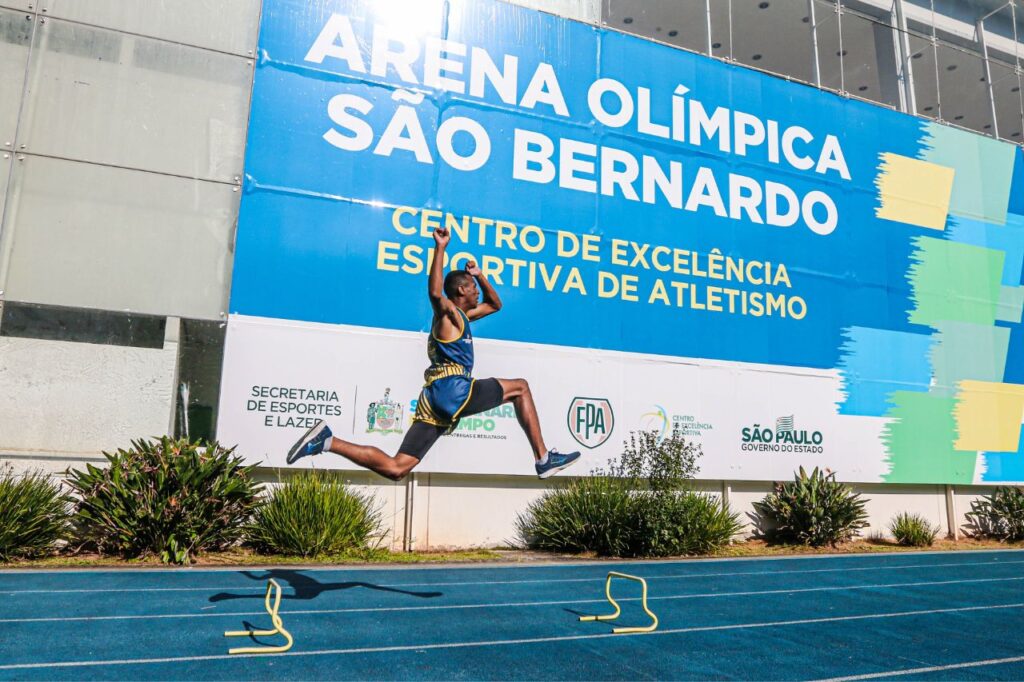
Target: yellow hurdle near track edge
618, 610
272, 587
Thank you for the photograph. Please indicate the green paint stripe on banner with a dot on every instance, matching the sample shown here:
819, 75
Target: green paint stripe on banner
983, 171
920, 441
954, 282
967, 351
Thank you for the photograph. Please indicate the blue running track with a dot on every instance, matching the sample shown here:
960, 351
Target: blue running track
933, 616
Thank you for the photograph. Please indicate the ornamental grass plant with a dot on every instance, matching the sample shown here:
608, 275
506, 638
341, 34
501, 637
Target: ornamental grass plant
913, 530
34, 515
315, 514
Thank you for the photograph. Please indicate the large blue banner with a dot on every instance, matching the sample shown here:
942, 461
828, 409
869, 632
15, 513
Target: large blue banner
628, 196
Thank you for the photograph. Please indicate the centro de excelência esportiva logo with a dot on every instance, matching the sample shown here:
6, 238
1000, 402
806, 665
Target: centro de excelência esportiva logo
663, 423
785, 438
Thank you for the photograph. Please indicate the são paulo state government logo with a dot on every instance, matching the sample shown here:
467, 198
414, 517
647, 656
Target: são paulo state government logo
786, 437
590, 421
384, 415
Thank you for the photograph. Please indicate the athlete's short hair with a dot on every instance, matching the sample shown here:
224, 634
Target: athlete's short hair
455, 279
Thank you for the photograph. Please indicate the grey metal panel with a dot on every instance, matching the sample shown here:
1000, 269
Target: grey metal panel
20, 5
869, 62
684, 24
108, 97
15, 39
98, 237
773, 37
225, 25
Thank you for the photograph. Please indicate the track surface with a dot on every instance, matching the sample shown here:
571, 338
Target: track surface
909, 616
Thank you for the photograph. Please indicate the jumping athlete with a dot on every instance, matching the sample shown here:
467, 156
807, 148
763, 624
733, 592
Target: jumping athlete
449, 392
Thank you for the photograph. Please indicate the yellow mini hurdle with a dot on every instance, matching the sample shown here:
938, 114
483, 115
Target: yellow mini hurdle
275, 618
618, 610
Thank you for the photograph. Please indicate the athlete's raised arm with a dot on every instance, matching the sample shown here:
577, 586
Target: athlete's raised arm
446, 318
491, 302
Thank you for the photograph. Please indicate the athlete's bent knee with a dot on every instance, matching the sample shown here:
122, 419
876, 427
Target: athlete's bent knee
522, 387
396, 471
515, 388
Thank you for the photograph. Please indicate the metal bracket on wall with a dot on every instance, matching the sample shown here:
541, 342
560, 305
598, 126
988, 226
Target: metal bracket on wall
951, 524
410, 497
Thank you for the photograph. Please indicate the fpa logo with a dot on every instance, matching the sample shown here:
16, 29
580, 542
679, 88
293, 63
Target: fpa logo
591, 421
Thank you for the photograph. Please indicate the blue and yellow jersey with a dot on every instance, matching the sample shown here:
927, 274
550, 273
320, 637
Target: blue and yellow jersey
450, 357
448, 381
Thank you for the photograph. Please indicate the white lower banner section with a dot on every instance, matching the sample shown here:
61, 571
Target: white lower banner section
754, 422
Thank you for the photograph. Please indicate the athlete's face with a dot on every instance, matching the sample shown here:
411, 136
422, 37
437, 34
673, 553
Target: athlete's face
469, 295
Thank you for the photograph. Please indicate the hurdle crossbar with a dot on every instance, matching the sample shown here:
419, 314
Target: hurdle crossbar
618, 610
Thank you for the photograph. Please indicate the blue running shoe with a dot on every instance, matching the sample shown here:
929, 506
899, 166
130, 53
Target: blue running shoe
312, 443
556, 462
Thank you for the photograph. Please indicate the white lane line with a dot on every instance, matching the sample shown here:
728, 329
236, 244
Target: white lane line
679, 576
506, 642
929, 669
441, 607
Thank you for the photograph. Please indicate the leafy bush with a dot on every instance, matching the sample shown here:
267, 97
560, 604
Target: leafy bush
814, 509
913, 530
33, 514
999, 515
586, 515
170, 498
639, 506
680, 522
313, 514
660, 466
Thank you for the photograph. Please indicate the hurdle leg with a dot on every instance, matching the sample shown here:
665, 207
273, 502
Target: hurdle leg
608, 595
275, 618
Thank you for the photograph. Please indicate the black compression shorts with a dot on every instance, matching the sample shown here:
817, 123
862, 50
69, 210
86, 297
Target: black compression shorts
487, 394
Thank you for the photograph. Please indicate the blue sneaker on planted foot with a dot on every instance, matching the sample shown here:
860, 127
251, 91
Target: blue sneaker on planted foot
312, 443
556, 462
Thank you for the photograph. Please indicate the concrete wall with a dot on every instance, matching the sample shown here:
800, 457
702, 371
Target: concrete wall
63, 403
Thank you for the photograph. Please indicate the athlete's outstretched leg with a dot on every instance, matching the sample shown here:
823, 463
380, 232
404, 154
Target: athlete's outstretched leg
375, 459
517, 392
319, 439
548, 462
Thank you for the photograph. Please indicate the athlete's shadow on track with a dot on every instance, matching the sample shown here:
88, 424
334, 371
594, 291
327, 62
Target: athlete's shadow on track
305, 587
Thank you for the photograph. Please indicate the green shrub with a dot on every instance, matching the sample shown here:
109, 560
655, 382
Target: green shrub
658, 465
679, 522
913, 530
814, 509
640, 506
169, 498
314, 514
33, 515
999, 515
585, 515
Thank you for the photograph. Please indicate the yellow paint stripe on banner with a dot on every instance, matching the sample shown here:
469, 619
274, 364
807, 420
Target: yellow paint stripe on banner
988, 416
913, 192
